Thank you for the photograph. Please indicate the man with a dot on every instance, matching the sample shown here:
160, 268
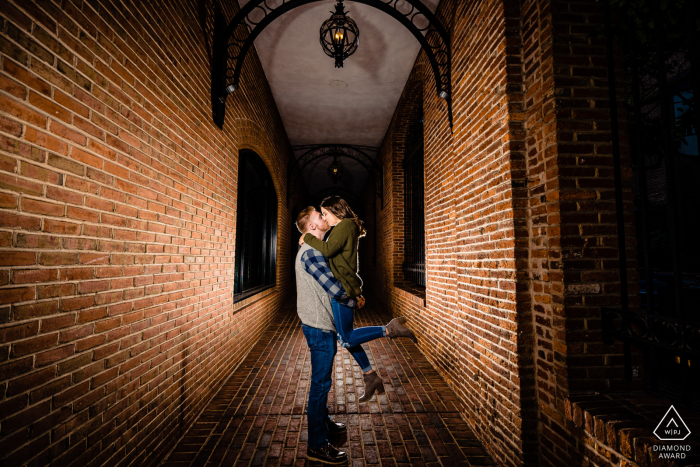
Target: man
315, 286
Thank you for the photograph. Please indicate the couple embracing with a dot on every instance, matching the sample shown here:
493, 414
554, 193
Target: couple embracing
329, 289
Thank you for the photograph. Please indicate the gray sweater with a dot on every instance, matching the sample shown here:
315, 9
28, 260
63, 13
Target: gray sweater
313, 303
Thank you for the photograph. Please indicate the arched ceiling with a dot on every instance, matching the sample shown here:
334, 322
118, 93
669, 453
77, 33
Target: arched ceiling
321, 104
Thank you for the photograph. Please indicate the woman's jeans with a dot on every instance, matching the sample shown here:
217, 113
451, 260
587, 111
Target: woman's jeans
322, 345
351, 338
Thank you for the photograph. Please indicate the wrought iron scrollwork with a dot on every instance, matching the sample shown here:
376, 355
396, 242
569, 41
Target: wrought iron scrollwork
649, 329
661, 339
316, 152
233, 41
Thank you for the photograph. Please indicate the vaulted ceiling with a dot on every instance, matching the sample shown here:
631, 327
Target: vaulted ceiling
321, 104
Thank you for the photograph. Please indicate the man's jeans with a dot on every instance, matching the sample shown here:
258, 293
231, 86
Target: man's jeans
351, 338
322, 345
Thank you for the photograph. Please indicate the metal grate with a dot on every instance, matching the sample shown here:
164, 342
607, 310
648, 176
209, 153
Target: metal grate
662, 79
414, 203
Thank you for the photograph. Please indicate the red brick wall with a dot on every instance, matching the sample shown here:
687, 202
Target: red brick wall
617, 429
573, 236
521, 242
469, 325
117, 227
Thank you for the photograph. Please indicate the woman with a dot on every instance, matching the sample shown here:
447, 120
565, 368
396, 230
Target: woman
341, 251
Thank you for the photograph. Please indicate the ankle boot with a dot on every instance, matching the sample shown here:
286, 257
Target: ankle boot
395, 329
372, 383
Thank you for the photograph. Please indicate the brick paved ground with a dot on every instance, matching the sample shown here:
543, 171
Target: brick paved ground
258, 416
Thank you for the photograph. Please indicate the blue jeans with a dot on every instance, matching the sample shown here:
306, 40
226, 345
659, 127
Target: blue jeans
352, 339
322, 345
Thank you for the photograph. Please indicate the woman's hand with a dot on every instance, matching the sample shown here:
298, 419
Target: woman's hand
360, 302
301, 240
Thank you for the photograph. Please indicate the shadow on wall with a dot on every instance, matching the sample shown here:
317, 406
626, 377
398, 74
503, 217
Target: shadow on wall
206, 11
182, 424
375, 50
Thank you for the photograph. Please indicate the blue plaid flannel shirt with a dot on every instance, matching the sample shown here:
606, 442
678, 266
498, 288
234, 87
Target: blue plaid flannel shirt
317, 265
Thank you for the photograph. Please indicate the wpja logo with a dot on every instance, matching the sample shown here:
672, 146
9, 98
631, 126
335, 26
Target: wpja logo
672, 428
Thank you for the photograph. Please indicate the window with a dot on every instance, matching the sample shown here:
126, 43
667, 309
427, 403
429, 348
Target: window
666, 214
664, 327
256, 228
414, 202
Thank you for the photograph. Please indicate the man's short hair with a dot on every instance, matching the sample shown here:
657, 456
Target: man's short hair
303, 218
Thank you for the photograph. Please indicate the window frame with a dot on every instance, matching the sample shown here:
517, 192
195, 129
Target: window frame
267, 207
414, 270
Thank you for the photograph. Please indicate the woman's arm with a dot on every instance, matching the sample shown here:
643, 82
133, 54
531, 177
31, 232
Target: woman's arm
329, 249
336, 242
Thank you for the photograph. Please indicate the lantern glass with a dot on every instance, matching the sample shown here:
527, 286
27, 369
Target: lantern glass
339, 35
335, 170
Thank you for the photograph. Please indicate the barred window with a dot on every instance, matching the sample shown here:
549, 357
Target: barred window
414, 202
256, 228
661, 97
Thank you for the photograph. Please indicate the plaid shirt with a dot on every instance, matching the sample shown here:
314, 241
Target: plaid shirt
317, 265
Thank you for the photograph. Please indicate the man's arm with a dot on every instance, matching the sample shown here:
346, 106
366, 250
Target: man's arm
317, 265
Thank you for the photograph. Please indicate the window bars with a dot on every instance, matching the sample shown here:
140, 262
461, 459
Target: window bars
414, 203
256, 228
662, 71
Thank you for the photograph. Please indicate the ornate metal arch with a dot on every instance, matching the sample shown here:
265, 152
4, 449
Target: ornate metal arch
233, 41
341, 150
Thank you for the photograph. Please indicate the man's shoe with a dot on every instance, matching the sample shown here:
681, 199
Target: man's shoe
327, 455
396, 328
373, 382
336, 427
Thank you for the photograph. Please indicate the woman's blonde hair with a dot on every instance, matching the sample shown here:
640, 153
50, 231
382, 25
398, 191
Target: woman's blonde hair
340, 209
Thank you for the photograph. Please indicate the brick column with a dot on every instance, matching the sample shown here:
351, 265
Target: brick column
573, 264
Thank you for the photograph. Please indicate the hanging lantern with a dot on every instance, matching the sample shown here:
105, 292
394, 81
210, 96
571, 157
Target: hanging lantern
335, 170
339, 35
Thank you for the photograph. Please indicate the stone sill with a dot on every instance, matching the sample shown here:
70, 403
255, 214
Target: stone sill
246, 302
620, 427
412, 293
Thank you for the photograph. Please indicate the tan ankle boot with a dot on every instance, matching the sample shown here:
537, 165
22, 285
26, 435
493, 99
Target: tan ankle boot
372, 383
395, 329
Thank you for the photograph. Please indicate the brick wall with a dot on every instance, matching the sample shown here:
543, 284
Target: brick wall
117, 227
573, 236
468, 322
521, 243
616, 430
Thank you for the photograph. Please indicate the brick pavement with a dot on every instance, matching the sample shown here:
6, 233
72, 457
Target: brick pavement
257, 418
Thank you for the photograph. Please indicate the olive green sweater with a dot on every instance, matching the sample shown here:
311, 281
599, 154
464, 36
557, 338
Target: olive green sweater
341, 251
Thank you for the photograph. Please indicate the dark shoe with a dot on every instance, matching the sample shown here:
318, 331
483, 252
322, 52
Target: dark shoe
396, 328
336, 427
372, 383
327, 454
